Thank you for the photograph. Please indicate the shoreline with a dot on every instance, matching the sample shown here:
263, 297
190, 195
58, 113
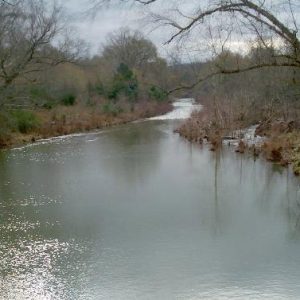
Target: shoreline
94, 124
275, 141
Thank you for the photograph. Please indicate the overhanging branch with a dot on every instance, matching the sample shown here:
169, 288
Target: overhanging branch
232, 71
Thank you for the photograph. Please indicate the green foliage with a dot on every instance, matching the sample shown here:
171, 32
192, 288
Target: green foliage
48, 105
25, 121
157, 94
43, 96
132, 90
114, 90
296, 157
97, 89
6, 126
68, 99
124, 83
38, 92
124, 72
111, 108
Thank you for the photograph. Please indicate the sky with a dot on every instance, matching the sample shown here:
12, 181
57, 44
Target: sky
108, 19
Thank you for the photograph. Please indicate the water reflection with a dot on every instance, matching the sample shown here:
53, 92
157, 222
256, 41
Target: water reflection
138, 213
216, 197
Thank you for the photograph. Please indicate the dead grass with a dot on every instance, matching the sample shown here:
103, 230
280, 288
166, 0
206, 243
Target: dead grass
284, 149
282, 145
79, 118
203, 125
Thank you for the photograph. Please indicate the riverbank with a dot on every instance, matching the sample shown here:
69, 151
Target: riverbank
64, 120
276, 140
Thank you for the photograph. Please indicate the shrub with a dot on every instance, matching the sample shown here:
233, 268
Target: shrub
100, 90
38, 92
96, 89
6, 126
113, 92
25, 121
124, 72
131, 90
110, 108
296, 163
42, 97
48, 105
157, 94
68, 99
124, 83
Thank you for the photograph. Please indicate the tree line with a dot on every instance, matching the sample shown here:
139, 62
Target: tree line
45, 67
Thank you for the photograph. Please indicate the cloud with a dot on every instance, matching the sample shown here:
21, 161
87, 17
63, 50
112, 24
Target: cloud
110, 18
94, 29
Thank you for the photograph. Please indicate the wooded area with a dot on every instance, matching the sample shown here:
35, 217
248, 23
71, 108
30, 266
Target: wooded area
50, 86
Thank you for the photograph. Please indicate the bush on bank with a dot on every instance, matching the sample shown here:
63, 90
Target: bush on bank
16, 121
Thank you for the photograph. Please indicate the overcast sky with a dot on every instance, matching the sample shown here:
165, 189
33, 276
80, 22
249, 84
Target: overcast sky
110, 18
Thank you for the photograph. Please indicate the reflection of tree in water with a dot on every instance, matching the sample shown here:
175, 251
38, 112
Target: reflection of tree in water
133, 152
269, 191
216, 198
292, 206
216, 217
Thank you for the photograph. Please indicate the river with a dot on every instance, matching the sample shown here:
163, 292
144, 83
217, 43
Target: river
136, 212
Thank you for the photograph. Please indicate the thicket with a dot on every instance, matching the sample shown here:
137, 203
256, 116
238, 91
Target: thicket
13, 121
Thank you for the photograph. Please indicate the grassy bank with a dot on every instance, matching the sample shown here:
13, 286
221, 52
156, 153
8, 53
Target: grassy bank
281, 143
24, 126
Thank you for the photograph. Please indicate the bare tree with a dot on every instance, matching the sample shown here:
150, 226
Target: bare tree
32, 37
274, 24
129, 47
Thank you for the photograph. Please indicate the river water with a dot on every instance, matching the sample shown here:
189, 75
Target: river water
136, 212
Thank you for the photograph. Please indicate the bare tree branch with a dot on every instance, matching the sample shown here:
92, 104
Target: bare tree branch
232, 71
29, 31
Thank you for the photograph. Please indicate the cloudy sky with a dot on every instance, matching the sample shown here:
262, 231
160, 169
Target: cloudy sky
94, 30
110, 18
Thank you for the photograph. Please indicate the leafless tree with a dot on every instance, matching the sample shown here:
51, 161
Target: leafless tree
32, 37
129, 47
273, 24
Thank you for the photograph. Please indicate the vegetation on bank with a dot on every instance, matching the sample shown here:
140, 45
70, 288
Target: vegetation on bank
19, 127
281, 143
48, 90
266, 97
280, 135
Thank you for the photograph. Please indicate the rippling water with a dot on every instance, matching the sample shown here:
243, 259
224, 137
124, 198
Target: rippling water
135, 212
